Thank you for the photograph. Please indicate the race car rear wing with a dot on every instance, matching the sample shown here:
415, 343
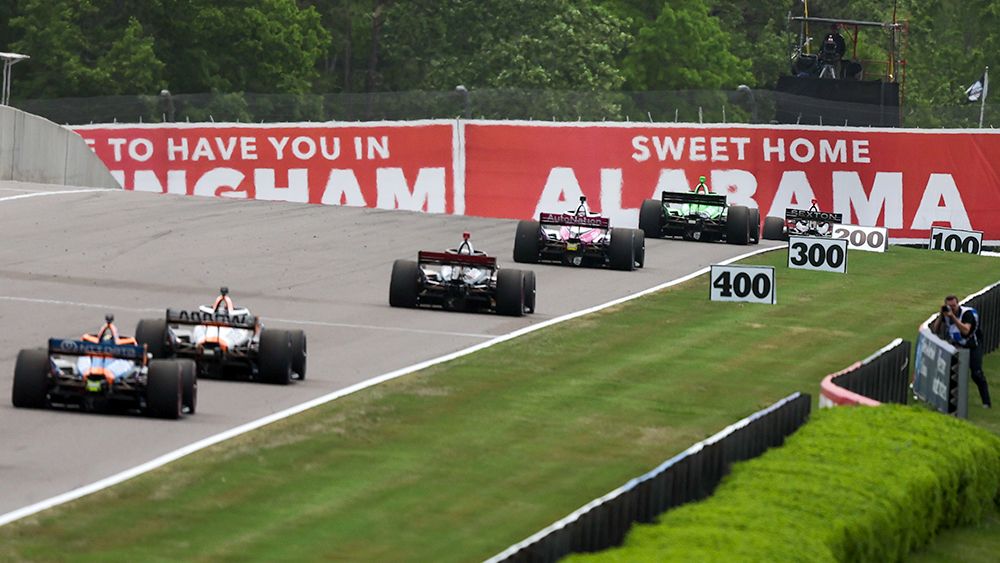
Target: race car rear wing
449, 259
574, 220
718, 200
806, 215
182, 317
83, 348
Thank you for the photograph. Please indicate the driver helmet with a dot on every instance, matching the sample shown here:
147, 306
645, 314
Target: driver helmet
701, 185
223, 304
466, 246
108, 333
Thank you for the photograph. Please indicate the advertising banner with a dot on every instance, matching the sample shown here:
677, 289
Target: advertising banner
906, 181
389, 166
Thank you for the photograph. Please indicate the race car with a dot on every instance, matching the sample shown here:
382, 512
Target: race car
579, 238
104, 372
811, 223
226, 342
462, 279
699, 215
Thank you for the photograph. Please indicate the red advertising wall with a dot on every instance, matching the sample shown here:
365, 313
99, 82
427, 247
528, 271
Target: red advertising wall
391, 166
904, 180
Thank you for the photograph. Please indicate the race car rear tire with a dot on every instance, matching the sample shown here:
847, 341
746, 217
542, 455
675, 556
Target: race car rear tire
275, 356
639, 242
621, 251
164, 389
31, 379
738, 225
189, 384
405, 284
651, 218
526, 242
529, 291
754, 225
510, 292
152, 333
298, 352
773, 228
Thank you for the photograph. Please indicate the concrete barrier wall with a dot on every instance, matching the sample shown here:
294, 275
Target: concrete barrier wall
33, 149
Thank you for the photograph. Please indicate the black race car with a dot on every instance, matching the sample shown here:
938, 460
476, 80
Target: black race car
462, 279
699, 215
579, 238
811, 223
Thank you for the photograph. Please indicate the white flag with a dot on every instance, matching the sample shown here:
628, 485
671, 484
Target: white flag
976, 90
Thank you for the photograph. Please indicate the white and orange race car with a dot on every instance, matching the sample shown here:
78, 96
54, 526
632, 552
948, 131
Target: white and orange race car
104, 372
226, 342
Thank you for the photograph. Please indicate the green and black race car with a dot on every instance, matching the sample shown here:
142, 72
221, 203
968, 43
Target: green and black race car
699, 216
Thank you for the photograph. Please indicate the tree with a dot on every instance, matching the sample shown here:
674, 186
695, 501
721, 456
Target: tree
268, 46
556, 44
950, 43
10, 9
757, 33
683, 48
103, 47
73, 56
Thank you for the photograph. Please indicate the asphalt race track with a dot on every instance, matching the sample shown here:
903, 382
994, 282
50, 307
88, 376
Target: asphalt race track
68, 257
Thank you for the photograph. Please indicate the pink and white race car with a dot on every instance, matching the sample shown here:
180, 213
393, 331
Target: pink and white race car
579, 238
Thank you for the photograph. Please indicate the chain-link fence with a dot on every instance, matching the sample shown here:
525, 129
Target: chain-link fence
684, 106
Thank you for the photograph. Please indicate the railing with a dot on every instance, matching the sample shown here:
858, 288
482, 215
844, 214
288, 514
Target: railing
883, 377
690, 476
681, 106
987, 304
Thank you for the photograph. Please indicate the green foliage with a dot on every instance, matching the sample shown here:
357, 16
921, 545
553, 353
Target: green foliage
852, 485
74, 54
951, 41
557, 45
757, 34
108, 47
683, 48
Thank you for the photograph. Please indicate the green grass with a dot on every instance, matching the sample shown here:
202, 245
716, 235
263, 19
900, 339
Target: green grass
459, 461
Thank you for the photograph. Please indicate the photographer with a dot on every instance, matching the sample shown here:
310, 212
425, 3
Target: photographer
961, 325
833, 48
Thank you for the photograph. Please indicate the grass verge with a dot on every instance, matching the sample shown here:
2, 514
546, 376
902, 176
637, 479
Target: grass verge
459, 461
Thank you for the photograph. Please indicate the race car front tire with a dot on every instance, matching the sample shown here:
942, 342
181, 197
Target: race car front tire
773, 228
510, 293
275, 356
189, 384
651, 218
31, 379
621, 251
529, 291
298, 352
754, 225
152, 333
526, 242
164, 389
639, 242
738, 225
405, 284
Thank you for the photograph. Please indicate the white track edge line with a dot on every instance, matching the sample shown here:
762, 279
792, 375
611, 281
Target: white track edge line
64, 192
242, 429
